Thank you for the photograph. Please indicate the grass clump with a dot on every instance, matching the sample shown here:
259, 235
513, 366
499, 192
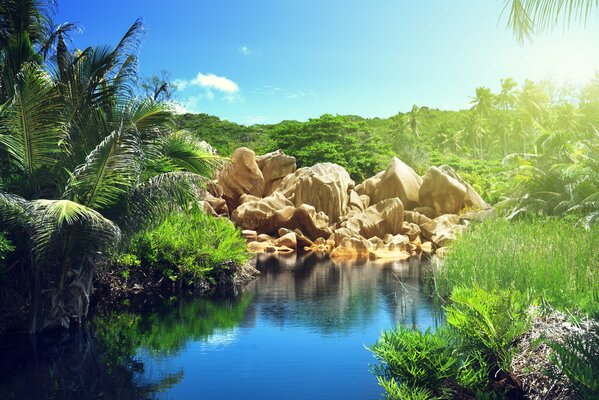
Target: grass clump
550, 259
188, 247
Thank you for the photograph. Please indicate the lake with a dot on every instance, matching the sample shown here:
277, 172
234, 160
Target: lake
300, 331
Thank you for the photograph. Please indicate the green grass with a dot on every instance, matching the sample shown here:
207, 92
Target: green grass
546, 259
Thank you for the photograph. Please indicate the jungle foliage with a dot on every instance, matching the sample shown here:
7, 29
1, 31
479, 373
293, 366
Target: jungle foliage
86, 161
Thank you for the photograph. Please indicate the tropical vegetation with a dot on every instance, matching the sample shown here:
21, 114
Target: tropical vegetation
87, 161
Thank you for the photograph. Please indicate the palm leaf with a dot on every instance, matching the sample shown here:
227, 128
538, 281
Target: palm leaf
31, 124
108, 173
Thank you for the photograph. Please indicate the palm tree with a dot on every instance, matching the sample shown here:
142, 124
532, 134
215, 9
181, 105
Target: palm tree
482, 105
529, 17
91, 164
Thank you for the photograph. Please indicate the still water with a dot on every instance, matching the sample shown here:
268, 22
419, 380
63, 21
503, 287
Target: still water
299, 332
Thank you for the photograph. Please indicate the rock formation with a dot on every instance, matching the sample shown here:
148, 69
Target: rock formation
395, 214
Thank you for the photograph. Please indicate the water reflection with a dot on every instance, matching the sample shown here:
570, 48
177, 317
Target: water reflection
303, 314
336, 297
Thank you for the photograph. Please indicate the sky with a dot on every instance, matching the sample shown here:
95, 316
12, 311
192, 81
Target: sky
263, 61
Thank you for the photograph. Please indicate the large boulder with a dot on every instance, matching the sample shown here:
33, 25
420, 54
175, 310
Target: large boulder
381, 219
275, 166
241, 176
442, 230
266, 215
325, 186
442, 193
398, 180
472, 200
314, 224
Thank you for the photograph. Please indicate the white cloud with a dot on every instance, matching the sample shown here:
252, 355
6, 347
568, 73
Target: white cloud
245, 50
212, 81
267, 90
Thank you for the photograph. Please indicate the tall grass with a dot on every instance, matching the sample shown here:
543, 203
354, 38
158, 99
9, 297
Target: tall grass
548, 259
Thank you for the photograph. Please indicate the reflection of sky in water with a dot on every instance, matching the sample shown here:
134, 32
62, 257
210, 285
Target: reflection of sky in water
305, 333
298, 332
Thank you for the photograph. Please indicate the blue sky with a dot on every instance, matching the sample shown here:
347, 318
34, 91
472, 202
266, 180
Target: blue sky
263, 61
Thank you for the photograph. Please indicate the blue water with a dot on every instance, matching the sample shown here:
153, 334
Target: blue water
299, 332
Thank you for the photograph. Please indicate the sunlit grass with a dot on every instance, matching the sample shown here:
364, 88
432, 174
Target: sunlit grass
548, 259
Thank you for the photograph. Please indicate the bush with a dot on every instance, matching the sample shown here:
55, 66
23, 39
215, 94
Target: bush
416, 365
190, 246
489, 322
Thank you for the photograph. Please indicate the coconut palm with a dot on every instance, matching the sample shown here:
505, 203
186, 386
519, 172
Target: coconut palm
91, 163
482, 105
529, 17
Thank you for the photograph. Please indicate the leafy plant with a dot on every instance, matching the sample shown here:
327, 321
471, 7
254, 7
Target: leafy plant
190, 246
488, 321
578, 358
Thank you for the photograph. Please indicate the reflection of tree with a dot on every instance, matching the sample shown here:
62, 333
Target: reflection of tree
336, 297
73, 367
103, 361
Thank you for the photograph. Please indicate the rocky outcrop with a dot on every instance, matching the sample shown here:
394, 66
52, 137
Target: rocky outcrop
275, 166
241, 176
381, 219
398, 180
441, 192
266, 215
442, 230
395, 214
325, 186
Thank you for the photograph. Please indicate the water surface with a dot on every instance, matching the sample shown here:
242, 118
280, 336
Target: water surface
298, 332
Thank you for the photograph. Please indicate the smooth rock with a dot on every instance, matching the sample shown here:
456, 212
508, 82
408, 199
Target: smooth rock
241, 176
442, 230
325, 186
385, 217
266, 215
275, 166
442, 192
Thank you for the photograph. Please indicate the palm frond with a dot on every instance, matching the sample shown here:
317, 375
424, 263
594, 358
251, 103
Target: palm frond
31, 124
108, 173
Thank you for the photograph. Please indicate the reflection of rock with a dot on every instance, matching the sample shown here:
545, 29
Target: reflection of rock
324, 186
352, 249
398, 180
275, 166
442, 192
264, 215
241, 176
442, 230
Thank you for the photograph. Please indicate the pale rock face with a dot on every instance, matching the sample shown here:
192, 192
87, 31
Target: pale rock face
472, 199
249, 235
313, 224
441, 192
400, 180
275, 166
415, 217
325, 186
385, 217
241, 176
266, 215
411, 230
288, 240
442, 230
370, 186
351, 249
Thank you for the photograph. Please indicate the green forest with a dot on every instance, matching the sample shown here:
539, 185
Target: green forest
132, 234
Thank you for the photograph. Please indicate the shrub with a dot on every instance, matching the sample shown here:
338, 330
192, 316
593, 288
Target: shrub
489, 322
6, 247
190, 246
578, 358
416, 365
